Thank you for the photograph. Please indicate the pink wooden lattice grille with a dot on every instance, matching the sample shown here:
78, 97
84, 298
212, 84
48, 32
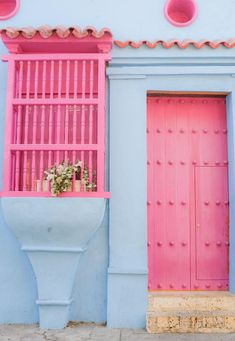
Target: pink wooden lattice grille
55, 112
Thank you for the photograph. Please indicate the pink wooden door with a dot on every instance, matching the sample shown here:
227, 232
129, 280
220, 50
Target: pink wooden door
187, 193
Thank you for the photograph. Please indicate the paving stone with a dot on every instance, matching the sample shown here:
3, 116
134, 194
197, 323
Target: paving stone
90, 332
105, 334
141, 335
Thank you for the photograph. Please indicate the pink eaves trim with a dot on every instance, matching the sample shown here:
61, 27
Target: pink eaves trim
230, 43
47, 31
17, 194
63, 32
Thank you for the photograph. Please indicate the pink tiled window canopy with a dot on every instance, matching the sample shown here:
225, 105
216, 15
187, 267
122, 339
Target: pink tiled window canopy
55, 109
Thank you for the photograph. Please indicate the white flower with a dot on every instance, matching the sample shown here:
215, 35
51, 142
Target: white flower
60, 169
50, 177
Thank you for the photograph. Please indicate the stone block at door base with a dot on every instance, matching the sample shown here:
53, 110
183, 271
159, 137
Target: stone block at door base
191, 312
191, 324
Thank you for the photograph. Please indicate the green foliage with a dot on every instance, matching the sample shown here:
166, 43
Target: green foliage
61, 177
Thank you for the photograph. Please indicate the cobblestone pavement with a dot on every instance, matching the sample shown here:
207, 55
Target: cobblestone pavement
90, 332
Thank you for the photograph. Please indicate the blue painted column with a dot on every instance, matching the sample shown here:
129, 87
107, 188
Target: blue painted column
127, 273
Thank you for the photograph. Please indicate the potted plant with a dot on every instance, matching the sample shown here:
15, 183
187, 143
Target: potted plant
61, 177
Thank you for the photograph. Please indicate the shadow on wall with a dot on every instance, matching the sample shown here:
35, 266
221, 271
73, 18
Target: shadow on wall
90, 289
18, 290
17, 282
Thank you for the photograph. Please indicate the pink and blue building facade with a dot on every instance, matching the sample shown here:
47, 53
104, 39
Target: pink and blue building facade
91, 93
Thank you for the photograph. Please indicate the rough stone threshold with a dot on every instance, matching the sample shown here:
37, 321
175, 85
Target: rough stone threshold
191, 312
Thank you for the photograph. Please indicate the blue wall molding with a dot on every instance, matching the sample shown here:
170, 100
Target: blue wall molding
128, 159
53, 249
141, 68
119, 271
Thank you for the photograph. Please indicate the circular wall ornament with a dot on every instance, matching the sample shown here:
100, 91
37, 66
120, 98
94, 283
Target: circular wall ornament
181, 12
8, 8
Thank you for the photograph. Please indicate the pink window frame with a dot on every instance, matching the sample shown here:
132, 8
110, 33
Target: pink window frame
101, 58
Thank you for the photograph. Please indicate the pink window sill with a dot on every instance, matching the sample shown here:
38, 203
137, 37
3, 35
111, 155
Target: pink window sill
16, 194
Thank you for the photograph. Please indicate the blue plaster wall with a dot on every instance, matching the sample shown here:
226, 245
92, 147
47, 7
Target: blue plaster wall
128, 19
127, 262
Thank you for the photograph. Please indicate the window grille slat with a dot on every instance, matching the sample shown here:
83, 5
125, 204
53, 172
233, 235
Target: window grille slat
75, 112
57, 156
26, 132
83, 79
90, 162
17, 172
41, 168
13, 165
28, 80
83, 125
33, 173
52, 79
25, 165
75, 79
35, 110
91, 124
19, 125
49, 158
43, 124
58, 126
44, 79
91, 78
21, 79
60, 79
66, 129
67, 79
50, 124
36, 80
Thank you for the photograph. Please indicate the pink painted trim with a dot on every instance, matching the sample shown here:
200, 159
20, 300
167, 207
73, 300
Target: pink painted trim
101, 126
12, 13
10, 94
55, 101
18, 42
57, 56
18, 194
174, 17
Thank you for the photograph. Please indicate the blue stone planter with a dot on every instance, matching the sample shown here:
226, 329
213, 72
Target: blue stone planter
54, 232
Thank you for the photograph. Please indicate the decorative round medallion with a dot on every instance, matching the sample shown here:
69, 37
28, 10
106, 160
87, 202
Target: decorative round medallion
8, 8
181, 12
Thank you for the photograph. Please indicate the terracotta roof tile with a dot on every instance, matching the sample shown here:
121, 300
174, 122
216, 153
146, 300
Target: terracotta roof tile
230, 43
61, 31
